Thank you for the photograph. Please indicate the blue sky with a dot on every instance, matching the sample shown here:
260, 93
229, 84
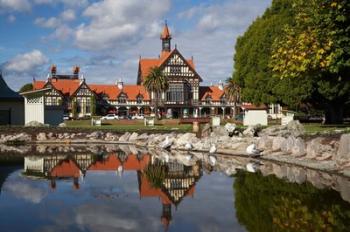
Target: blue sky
105, 38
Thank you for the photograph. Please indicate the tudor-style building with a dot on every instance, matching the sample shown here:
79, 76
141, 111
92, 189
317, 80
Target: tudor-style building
184, 98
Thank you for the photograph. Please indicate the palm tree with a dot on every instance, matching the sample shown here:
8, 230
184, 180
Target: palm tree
233, 92
157, 83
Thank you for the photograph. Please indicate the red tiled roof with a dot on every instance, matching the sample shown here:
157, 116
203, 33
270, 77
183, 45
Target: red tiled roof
146, 64
112, 91
250, 106
132, 91
66, 168
65, 86
213, 91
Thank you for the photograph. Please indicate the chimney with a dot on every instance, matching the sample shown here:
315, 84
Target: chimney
76, 70
119, 84
53, 70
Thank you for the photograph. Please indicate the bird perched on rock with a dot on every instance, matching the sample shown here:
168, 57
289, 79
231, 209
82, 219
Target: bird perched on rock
252, 150
166, 144
188, 157
212, 149
212, 160
188, 146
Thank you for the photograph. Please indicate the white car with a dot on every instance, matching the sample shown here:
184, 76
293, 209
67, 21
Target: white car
140, 116
110, 117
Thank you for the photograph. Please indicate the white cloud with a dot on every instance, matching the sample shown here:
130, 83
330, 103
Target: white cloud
26, 62
25, 191
52, 22
115, 22
14, 5
68, 3
68, 15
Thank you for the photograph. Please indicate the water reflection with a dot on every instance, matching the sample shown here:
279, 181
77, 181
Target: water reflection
126, 189
169, 181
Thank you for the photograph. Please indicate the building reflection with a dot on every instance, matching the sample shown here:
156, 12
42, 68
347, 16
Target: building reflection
175, 180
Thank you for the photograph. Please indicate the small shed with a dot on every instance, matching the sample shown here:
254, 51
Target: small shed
11, 105
254, 115
36, 110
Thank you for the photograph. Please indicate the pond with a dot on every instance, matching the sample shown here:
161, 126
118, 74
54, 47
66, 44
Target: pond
132, 190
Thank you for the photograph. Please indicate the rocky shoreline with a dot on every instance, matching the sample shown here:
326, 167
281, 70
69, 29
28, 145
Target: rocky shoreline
277, 143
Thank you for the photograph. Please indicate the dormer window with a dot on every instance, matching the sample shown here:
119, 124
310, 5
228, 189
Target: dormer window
208, 100
122, 98
139, 99
223, 100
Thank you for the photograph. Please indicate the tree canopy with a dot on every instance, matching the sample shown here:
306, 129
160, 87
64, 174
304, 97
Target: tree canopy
26, 87
297, 52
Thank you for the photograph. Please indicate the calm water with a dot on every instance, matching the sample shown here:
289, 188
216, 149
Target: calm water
113, 191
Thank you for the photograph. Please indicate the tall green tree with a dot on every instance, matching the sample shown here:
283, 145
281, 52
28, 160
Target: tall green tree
316, 49
157, 83
253, 51
26, 87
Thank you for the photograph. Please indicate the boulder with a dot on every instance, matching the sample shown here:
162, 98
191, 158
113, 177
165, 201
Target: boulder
184, 138
133, 137
143, 136
277, 143
299, 148
206, 130
265, 142
62, 124
252, 131
343, 154
41, 136
288, 144
35, 124
124, 137
93, 135
219, 131
295, 128
315, 149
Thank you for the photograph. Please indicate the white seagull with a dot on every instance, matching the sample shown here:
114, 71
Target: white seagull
212, 160
252, 150
212, 149
166, 144
188, 146
252, 167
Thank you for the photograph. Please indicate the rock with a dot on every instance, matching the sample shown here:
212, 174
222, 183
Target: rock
143, 136
295, 128
206, 130
316, 150
41, 136
184, 138
299, 148
277, 143
219, 131
265, 142
343, 155
94, 135
124, 137
288, 144
252, 131
35, 124
133, 137
62, 124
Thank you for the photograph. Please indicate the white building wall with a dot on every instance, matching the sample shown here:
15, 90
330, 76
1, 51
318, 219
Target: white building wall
254, 117
34, 109
34, 164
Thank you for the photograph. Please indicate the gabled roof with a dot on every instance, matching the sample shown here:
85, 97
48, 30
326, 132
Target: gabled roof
111, 91
250, 106
132, 91
6, 93
65, 86
145, 64
66, 168
210, 91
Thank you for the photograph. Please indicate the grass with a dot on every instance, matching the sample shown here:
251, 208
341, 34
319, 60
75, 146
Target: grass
317, 128
130, 126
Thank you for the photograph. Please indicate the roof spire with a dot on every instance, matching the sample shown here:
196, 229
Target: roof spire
166, 32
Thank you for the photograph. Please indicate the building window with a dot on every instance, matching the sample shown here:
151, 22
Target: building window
139, 99
122, 99
208, 100
175, 93
175, 69
223, 101
88, 105
79, 105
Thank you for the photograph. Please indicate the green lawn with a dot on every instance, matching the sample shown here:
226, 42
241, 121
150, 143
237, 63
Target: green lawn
312, 128
130, 126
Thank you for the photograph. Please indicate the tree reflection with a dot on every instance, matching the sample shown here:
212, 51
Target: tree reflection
271, 204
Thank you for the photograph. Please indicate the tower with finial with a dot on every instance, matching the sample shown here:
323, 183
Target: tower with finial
166, 38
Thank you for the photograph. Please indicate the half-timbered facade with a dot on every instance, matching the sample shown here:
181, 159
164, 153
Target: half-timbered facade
184, 97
